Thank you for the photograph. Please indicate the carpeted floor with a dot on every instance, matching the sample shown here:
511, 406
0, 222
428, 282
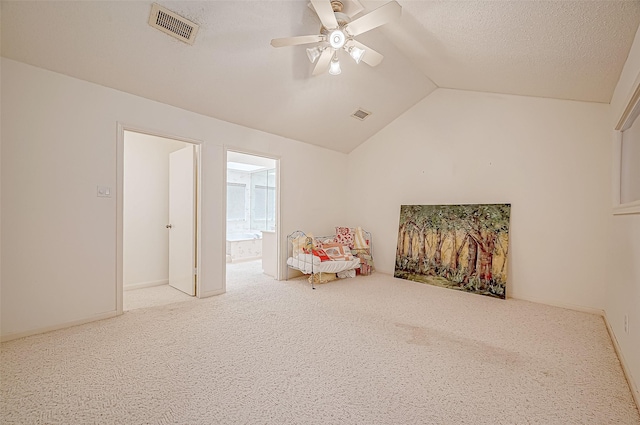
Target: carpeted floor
238, 275
369, 350
152, 297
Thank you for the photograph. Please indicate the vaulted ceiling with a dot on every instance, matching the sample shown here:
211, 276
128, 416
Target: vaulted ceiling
558, 49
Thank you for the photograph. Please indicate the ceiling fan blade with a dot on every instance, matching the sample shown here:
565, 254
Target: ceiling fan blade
325, 12
293, 41
374, 19
323, 62
370, 57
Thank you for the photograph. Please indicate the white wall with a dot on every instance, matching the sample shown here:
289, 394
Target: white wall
146, 208
546, 157
623, 279
59, 239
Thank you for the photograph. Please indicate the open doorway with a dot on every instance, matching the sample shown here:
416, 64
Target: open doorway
252, 217
159, 220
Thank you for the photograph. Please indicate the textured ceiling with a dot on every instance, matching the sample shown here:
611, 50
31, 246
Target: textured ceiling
558, 49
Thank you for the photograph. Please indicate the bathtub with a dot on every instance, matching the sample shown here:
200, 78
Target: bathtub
244, 246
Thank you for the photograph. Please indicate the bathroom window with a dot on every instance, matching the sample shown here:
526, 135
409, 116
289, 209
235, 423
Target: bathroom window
630, 164
236, 201
263, 200
626, 154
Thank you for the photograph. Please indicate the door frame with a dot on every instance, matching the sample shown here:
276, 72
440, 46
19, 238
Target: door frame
121, 128
224, 216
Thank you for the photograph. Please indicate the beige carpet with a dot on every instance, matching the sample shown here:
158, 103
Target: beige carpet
369, 350
152, 297
238, 274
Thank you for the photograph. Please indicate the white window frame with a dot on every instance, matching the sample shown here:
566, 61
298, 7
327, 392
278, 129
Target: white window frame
628, 117
244, 201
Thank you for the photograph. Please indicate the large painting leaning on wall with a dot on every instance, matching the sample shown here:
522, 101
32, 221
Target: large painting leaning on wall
462, 247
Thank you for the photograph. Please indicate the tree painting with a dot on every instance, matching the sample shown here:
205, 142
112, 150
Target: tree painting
462, 247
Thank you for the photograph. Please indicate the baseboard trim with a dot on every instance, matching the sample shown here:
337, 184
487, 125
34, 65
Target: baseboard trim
574, 307
145, 284
635, 392
17, 335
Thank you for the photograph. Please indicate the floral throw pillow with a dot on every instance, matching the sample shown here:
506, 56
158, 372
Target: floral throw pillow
344, 236
338, 252
321, 254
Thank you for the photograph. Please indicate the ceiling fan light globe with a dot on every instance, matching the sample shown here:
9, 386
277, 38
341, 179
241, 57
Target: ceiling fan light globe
313, 53
334, 68
356, 53
337, 39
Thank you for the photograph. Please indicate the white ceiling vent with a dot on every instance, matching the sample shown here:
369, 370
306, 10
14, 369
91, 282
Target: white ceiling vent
361, 114
173, 24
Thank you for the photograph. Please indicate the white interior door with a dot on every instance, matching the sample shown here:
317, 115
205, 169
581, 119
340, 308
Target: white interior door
182, 220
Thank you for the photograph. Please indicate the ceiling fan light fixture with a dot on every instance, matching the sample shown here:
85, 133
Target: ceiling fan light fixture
313, 53
334, 68
337, 39
356, 53
338, 32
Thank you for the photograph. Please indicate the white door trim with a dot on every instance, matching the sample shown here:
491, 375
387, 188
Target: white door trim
199, 145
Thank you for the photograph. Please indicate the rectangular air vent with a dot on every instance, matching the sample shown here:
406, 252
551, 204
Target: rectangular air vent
173, 24
361, 114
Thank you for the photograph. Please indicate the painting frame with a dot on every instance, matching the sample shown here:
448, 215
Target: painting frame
461, 246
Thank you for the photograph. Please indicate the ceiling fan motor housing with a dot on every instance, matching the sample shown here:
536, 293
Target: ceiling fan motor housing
337, 39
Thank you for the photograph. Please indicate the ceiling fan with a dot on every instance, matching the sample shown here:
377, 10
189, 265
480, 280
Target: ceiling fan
338, 32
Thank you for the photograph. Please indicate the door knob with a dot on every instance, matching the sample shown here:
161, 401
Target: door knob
168, 226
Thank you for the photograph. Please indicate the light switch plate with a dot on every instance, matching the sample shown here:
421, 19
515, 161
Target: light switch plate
104, 192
